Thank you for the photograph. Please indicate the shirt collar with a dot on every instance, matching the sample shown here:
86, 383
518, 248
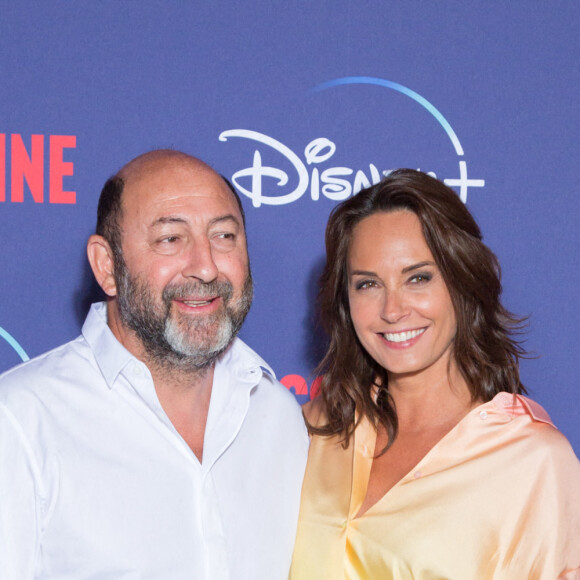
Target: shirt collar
111, 356
242, 361
514, 405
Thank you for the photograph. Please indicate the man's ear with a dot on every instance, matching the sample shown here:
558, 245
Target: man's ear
101, 260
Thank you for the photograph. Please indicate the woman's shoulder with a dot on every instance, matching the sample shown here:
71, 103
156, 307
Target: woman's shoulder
547, 440
314, 412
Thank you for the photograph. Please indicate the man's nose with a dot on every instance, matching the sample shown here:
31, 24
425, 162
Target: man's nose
199, 262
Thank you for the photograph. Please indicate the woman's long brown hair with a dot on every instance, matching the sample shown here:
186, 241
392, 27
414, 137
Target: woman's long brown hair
485, 350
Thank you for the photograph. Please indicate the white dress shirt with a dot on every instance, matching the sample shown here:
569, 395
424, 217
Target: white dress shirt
96, 483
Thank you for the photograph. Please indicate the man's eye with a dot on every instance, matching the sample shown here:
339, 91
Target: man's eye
229, 236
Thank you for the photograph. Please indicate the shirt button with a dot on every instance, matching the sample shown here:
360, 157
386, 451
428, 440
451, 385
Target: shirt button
417, 474
483, 415
137, 370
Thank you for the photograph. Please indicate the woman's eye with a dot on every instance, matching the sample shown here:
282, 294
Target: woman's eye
365, 284
420, 278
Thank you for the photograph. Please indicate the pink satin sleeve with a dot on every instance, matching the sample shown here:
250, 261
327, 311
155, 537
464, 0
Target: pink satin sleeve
570, 575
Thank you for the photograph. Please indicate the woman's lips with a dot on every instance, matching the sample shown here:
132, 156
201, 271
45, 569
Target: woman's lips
403, 339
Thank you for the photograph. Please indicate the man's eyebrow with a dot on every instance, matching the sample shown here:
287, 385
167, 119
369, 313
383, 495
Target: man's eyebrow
179, 220
417, 266
225, 218
168, 220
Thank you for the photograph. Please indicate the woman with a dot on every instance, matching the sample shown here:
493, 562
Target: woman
426, 461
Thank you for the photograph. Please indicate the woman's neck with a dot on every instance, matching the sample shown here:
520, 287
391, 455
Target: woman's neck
430, 400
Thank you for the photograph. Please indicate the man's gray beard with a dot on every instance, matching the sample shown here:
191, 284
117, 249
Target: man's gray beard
192, 343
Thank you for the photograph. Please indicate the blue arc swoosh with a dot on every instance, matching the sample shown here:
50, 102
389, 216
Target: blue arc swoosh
14, 344
401, 89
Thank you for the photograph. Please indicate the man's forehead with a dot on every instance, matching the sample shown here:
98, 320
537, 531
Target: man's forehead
161, 175
161, 162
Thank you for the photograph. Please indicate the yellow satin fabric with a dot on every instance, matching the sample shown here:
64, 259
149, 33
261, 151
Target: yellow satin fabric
497, 498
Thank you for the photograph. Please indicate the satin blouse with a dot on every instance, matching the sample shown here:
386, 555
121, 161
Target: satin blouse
497, 497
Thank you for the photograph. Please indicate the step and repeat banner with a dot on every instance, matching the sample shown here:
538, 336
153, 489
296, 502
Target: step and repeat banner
299, 105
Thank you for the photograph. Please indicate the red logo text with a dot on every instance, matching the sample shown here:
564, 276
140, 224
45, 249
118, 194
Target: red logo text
27, 164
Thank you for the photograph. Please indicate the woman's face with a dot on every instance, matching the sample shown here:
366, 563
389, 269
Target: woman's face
399, 303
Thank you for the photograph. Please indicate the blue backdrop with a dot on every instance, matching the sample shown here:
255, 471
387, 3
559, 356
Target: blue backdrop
300, 104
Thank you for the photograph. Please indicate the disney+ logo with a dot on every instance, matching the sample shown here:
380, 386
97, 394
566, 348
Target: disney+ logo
335, 183
13, 343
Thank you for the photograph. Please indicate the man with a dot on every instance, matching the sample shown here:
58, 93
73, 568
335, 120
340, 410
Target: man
156, 445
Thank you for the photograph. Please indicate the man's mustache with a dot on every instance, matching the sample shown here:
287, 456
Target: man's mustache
221, 288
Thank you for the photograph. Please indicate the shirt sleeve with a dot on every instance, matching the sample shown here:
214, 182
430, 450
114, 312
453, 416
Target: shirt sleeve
570, 575
560, 523
19, 516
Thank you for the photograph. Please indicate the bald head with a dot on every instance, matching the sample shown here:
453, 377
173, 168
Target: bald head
158, 159
137, 171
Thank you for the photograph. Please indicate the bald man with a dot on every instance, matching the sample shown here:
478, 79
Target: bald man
157, 444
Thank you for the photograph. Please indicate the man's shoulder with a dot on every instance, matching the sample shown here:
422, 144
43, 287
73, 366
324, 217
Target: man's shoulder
53, 366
